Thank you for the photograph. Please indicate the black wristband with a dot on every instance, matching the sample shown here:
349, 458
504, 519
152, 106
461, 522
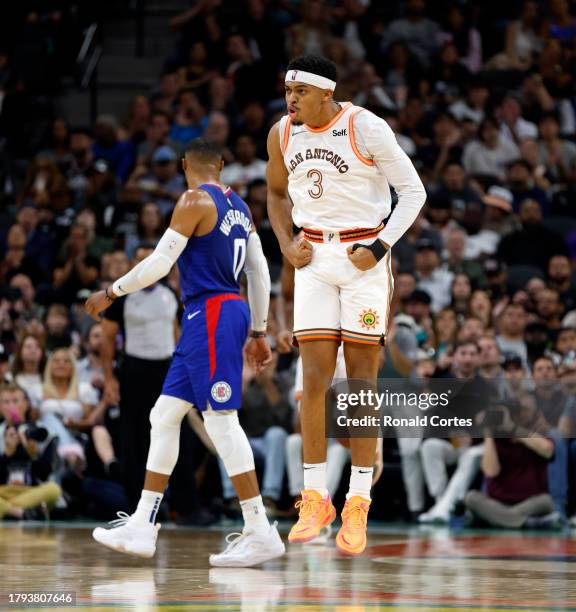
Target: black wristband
377, 247
257, 334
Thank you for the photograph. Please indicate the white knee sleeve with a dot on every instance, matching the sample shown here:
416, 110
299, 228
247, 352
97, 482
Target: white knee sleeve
230, 441
165, 419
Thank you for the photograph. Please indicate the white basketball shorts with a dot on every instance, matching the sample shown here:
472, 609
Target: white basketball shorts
334, 300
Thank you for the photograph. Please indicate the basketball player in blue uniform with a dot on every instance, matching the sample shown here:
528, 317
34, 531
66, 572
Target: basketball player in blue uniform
212, 238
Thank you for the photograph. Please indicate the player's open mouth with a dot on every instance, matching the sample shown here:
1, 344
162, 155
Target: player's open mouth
292, 111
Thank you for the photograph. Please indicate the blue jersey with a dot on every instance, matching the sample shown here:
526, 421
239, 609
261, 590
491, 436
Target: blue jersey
206, 369
214, 262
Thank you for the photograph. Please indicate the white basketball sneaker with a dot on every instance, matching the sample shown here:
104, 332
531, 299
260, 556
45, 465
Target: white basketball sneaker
250, 548
128, 537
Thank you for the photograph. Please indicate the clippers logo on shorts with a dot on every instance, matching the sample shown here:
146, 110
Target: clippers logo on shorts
369, 319
221, 392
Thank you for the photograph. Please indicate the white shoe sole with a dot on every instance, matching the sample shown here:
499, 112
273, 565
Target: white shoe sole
214, 562
121, 548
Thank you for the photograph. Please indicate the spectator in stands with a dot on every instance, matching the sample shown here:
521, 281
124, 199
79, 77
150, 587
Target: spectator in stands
429, 276
523, 187
164, 99
27, 307
67, 406
513, 126
419, 33
515, 470
15, 259
511, 325
565, 344
437, 454
246, 168
473, 107
28, 366
490, 154
58, 329
119, 154
518, 247
549, 308
557, 155
164, 184
39, 236
446, 329
149, 229
190, 119
218, 132
90, 366
114, 265
498, 212
523, 40
138, 119
77, 269
560, 278
157, 135
480, 307
97, 244
25, 461
82, 157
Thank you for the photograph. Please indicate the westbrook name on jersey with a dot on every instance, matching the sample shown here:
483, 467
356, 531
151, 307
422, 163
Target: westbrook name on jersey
207, 366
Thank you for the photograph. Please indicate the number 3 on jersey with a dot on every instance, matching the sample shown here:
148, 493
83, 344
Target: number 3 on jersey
317, 189
239, 255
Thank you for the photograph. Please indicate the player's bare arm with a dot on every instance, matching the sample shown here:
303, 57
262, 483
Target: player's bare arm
299, 252
194, 213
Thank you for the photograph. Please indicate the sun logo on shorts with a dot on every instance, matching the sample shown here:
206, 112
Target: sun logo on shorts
369, 319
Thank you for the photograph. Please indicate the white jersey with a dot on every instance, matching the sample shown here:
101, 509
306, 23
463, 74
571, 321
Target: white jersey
332, 181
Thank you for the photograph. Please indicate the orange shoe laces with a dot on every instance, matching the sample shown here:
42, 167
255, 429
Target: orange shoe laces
308, 509
356, 516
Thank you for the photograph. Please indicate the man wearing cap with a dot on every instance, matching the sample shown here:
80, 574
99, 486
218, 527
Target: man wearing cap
498, 217
164, 184
329, 172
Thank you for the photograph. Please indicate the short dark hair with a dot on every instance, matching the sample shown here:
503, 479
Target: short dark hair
463, 343
316, 64
204, 151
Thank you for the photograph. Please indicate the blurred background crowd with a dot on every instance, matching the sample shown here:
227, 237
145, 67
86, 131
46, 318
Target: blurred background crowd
482, 97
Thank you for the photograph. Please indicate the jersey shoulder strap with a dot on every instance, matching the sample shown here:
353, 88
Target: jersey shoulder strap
354, 111
284, 131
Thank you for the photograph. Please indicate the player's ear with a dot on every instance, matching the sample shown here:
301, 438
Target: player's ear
221, 164
184, 164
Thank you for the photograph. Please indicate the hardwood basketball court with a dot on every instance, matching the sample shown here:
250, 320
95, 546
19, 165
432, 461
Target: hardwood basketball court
420, 569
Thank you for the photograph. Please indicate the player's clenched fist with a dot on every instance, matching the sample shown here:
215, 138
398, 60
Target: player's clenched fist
299, 253
362, 257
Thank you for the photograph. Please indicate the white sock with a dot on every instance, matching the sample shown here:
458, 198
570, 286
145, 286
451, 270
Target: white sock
254, 514
360, 482
147, 507
315, 478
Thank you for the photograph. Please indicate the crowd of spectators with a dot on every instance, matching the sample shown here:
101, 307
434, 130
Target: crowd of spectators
482, 97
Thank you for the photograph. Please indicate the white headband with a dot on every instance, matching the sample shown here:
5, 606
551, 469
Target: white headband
309, 78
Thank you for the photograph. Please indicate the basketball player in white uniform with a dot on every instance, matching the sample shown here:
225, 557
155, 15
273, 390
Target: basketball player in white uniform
330, 169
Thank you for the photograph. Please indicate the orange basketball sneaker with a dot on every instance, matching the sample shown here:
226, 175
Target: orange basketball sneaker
315, 514
351, 538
